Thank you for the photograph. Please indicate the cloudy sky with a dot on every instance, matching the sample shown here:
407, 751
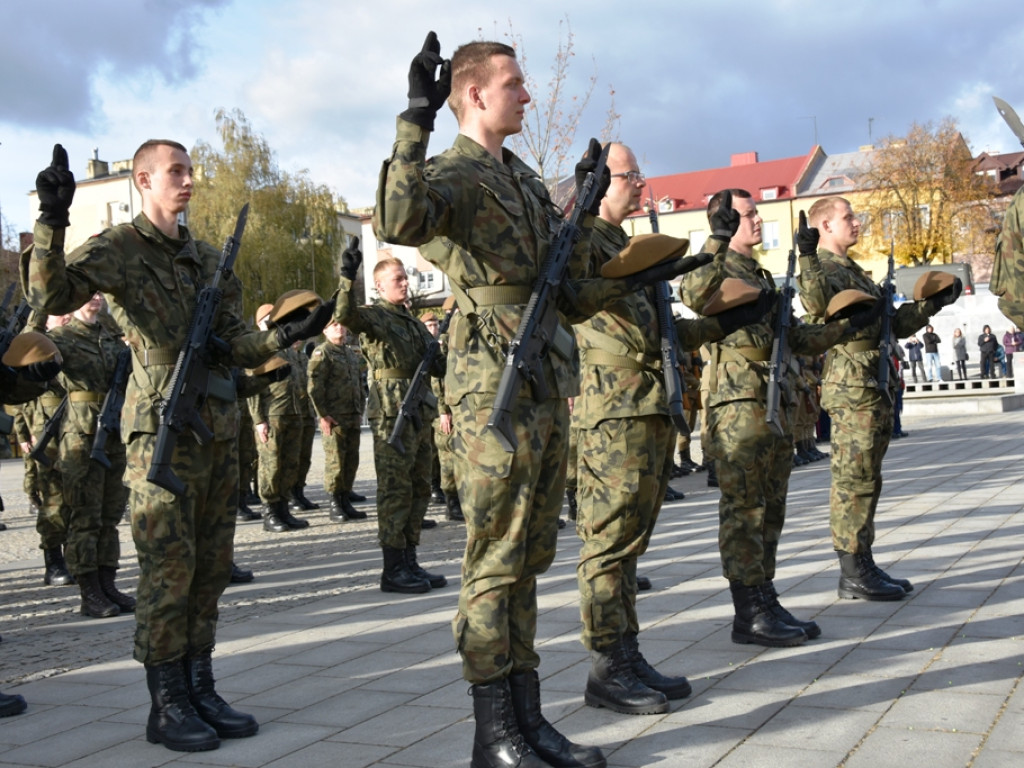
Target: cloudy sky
693, 81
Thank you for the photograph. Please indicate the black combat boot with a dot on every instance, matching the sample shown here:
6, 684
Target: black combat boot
285, 515
243, 514
570, 499
712, 473
673, 687
904, 583
497, 742
11, 704
642, 583
397, 577
126, 603
435, 580
228, 722
272, 521
771, 598
173, 720
613, 684
339, 508
550, 745
357, 497
240, 575
297, 499
436, 494
755, 623
858, 580
94, 602
454, 508
56, 573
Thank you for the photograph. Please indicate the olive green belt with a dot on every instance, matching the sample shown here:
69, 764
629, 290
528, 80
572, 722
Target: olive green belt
864, 345
734, 355
85, 397
592, 356
218, 387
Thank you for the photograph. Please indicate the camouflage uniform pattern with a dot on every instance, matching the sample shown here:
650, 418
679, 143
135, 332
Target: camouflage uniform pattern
443, 442
44, 485
1008, 268
184, 543
309, 423
393, 342
862, 419
335, 389
625, 447
284, 407
753, 463
96, 495
487, 224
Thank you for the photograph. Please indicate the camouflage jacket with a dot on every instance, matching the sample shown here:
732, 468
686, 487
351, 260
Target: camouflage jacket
151, 282
1008, 268
627, 328
90, 357
286, 397
335, 384
393, 343
738, 365
854, 361
486, 224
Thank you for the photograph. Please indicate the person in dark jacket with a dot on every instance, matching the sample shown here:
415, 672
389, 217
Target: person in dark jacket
914, 348
987, 346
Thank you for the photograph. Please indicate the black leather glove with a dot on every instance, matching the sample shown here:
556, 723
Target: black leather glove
427, 94
588, 165
55, 187
279, 374
731, 320
305, 327
668, 269
726, 220
950, 295
806, 237
351, 258
864, 318
41, 371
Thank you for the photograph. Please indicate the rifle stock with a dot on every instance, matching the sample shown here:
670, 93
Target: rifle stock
779, 366
409, 410
109, 421
885, 361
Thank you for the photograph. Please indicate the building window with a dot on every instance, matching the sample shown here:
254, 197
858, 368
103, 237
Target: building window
426, 281
770, 235
770, 193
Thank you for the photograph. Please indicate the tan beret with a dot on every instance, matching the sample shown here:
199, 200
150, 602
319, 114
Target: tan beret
30, 347
262, 312
932, 282
299, 301
845, 299
449, 304
732, 293
644, 251
427, 317
275, 362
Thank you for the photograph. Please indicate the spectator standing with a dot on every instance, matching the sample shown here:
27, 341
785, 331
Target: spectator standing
931, 353
1013, 341
914, 348
960, 354
987, 346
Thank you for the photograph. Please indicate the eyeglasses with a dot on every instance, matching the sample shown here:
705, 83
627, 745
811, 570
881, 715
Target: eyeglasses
631, 177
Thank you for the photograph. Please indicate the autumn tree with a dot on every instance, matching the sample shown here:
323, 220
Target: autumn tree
923, 195
293, 236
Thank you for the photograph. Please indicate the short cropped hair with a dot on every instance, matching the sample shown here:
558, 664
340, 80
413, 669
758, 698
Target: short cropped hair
471, 63
385, 264
823, 209
142, 160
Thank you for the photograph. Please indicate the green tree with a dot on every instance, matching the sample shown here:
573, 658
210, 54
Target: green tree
923, 194
293, 236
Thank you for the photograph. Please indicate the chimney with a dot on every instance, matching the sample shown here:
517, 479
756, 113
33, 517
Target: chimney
96, 169
743, 158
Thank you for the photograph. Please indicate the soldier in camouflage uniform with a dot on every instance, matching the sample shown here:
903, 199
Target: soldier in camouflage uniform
1008, 268
393, 342
752, 460
443, 434
862, 417
96, 495
336, 392
151, 271
297, 495
484, 217
625, 454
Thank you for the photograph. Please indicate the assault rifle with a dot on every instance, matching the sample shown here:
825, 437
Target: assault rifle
418, 393
109, 421
14, 326
51, 431
675, 385
540, 329
885, 361
190, 380
778, 369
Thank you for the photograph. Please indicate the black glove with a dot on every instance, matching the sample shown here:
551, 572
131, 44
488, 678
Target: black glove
949, 295
731, 320
427, 94
55, 187
41, 371
864, 318
279, 374
668, 269
351, 258
726, 220
806, 237
588, 165
305, 327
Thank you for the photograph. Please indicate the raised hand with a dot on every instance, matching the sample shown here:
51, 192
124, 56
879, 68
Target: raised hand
55, 186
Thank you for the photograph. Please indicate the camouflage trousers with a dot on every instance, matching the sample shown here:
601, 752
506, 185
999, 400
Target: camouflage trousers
403, 481
184, 544
446, 460
511, 502
623, 472
341, 455
45, 487
861, 429
753, 465
309, 429
96, 497
247, 456
279, 457
572, 465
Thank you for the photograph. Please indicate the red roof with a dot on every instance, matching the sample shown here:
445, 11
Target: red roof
691, 191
